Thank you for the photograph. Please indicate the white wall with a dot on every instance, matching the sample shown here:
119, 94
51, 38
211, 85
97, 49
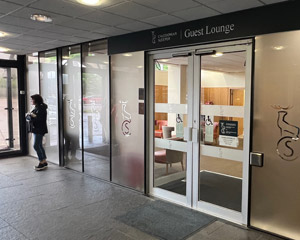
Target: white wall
221, 79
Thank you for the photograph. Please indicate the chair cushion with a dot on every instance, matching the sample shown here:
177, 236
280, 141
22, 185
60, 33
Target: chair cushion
161, 156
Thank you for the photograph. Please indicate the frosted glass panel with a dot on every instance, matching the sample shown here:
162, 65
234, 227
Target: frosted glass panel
71, 68
48, 81
275, 192
95, 73
32, 88
127, 120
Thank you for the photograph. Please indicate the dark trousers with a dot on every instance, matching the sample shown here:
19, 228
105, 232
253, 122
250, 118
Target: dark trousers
38, 146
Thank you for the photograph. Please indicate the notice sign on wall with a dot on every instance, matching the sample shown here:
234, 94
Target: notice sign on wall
228, 131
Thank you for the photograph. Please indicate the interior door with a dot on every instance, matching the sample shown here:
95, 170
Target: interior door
275, 192
170, 113
222, 115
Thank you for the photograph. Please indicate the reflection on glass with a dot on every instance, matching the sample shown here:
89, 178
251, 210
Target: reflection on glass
9, 109
95, 62
48, 78
71, 61
170, 120
126, 120
32, 88
222, 129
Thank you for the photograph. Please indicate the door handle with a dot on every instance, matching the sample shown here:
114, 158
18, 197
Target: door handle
256, 159
187, 134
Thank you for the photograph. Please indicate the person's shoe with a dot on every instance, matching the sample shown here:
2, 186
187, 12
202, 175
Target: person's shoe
40, 167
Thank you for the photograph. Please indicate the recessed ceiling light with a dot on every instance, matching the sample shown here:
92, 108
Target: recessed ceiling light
40, 18
90, 2
278, 48
127, 55
3, 49
218, 54
3, 34
140, 66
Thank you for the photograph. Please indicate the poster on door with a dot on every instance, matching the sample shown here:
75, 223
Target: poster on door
228, 133
209, 128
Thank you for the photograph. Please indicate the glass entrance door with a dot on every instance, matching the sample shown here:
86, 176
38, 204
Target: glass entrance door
199, 130
9, 110
223, 123
171, 102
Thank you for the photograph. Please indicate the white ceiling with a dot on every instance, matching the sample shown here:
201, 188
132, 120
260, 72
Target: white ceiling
76, 23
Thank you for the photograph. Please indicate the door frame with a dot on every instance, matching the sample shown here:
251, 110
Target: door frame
192, 168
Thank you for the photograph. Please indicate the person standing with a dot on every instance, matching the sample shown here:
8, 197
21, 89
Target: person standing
38, 126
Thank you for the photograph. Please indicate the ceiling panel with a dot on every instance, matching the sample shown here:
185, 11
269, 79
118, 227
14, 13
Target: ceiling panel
6, 7
136, 26
106, 18
61, 7
133, 10
272, 1
163, 20
112, 31
226, 6
195, 13
168, 5
14, 29
21, 2
82, 24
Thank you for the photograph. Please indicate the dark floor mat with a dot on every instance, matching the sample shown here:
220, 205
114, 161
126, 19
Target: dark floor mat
101, 150
166, 220
215, 188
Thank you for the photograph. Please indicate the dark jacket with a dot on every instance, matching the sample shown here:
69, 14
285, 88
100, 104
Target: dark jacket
39, 123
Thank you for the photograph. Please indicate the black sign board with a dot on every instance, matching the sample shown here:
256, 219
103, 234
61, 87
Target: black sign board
243, 24
228, 128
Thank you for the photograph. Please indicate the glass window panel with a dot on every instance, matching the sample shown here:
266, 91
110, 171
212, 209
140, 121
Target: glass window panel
95, 67
9, 109
7, 56
48, 81
4, 144
127, 119
170, 119
71, 68
32, 88
222, 129
15, 106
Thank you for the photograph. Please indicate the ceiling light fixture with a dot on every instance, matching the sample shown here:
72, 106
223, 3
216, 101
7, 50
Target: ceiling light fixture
90, 2
164, 60
127, 55
3, 49
218, 54
40, 18
278, 48
3, 34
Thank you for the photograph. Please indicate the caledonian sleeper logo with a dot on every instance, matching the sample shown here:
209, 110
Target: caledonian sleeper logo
289, 135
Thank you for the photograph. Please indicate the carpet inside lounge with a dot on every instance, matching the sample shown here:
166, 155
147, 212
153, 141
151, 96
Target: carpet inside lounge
218, 189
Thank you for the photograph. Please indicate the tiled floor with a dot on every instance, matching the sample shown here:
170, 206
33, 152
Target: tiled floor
62, 204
